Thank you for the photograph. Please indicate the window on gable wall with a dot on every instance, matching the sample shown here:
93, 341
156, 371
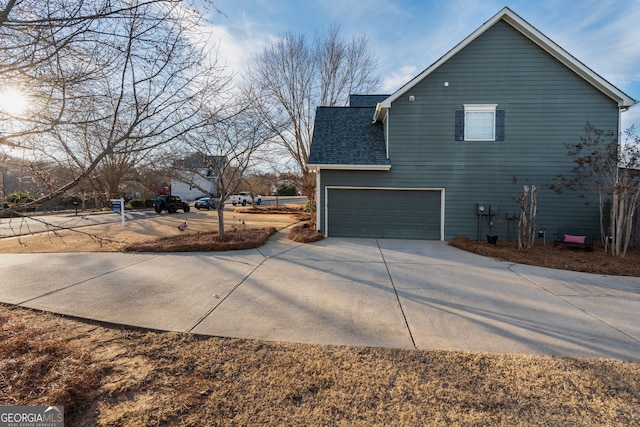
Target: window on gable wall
480, 122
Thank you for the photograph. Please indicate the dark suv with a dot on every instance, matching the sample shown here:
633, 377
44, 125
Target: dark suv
170, 204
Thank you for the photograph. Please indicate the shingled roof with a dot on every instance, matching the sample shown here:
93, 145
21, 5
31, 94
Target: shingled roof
345, 137
365, 100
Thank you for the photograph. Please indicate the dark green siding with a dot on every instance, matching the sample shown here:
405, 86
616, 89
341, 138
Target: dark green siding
405, 214
546, 106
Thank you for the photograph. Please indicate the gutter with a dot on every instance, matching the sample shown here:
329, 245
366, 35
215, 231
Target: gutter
317, 167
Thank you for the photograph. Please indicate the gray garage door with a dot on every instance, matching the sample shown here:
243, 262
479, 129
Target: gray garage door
400, 214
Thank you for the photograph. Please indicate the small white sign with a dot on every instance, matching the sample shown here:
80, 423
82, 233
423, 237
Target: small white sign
117, 206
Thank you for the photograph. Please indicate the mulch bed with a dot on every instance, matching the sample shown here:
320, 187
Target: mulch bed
234, 239
560, 257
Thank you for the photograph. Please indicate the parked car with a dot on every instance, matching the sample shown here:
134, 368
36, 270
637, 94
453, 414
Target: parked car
206, 203
170, 204
244, 197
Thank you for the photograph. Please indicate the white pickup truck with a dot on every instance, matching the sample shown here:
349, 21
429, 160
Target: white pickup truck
243, 198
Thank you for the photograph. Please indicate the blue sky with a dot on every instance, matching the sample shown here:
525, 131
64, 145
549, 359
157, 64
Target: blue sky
408, 36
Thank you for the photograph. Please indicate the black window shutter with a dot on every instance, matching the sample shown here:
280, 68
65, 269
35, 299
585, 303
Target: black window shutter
499, 125
459, 125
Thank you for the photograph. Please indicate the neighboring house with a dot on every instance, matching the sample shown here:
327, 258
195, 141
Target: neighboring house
196, 176
288, 183
491, 115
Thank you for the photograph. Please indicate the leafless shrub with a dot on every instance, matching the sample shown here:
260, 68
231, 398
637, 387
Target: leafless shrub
305, 233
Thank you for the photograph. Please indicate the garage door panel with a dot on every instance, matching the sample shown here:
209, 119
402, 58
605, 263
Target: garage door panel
411, 214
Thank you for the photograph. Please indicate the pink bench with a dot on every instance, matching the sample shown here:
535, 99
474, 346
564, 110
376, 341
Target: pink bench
574, 238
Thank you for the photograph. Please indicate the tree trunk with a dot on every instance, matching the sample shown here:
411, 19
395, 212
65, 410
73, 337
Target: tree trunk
220, 218
603, 234
528, 220
533, 213
309, 190
522, 224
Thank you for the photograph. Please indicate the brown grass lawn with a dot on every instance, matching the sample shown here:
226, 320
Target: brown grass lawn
117, 376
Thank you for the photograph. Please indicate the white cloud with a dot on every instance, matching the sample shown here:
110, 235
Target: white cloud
394, 80
230, 51
238, 33
235, 48
619, 54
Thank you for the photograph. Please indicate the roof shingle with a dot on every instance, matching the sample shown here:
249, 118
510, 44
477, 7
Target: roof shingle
347, 136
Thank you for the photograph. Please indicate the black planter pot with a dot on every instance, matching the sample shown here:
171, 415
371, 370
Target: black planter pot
492, 239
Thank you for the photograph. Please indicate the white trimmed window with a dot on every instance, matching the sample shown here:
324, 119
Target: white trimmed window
480, 122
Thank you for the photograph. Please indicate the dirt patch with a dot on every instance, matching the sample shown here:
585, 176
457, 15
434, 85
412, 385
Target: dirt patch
560, 257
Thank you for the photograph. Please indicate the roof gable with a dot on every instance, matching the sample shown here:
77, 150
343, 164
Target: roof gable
510, 17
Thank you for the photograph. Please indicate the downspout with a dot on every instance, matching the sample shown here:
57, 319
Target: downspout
620, 132
620, 111
385, 123
611, 231
317, 201
386, 133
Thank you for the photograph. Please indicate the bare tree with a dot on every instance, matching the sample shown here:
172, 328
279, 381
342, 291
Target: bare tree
258, 182
528, 217
227, 147
293, 76
109, 81
50, 45
609, 171
344, 68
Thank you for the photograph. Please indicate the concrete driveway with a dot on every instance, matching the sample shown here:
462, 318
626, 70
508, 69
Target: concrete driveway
357, 292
